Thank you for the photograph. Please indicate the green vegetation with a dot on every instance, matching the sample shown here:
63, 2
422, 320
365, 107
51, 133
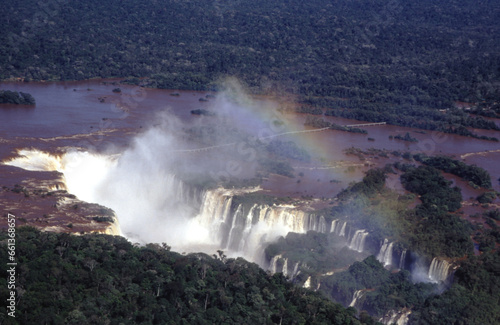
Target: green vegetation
14, 97
472, 299
385, 290
406, 137
487, 197
427, 229
99, 279
316, 252
472, 173
320, 123
434, 190
309, 110
453, 121
202, 111
282, 168
103, 219
435, 232
355, 57
372, 183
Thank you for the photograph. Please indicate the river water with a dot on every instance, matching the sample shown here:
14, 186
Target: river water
89, 114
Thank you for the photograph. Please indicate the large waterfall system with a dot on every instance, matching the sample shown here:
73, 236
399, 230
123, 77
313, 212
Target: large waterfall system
154, 205
243, 229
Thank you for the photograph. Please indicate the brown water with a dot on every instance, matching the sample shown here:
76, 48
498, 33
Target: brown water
89, 114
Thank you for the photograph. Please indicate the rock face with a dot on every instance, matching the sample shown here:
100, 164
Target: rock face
40, 199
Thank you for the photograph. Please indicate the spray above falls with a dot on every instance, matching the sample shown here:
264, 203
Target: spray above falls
158, 185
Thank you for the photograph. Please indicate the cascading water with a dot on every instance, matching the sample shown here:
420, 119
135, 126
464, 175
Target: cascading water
358, 240
273, 267
285, 267
385, 254
245, 228
402, 260
358, 294
307, 284
342, 230
334, 226
316, 223
439, 270
295, 270
396, 317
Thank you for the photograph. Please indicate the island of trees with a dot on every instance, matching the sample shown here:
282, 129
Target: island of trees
14, 97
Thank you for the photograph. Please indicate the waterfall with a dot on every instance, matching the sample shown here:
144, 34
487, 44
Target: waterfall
337, 229
342, 230
307, 284
285, 267
439, 270
334, 225
245, 228
320, 225
295, 270
402, 260
385, 254
358, 240
396, 317
358, 294
274, 262
214, 211
234, 228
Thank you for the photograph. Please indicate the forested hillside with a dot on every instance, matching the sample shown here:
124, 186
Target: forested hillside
100, 279
423, 53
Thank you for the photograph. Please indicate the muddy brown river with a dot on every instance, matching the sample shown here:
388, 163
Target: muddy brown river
90, 116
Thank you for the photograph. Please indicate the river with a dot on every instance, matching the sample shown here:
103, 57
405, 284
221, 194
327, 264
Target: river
89, 115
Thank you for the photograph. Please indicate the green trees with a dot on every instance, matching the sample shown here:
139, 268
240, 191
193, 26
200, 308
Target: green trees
472, 299
14, 97
382, 290
372, 183
433, 188
474, 174
99, 279
436, 233
303, 47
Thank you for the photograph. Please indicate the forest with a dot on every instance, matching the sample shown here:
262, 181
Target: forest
101, 279
396, 56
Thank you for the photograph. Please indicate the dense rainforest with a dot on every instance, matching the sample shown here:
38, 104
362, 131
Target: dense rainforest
395, 53
101, 279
